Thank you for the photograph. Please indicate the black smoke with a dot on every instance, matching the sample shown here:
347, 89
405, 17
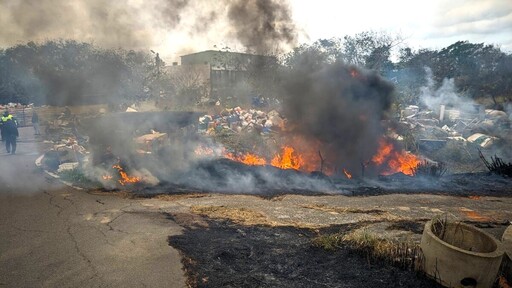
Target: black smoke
261, 25
338, 106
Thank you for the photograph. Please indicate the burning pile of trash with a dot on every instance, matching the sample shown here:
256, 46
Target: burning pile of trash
333, 127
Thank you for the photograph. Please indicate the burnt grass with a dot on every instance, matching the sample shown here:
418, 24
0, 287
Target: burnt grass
225, 254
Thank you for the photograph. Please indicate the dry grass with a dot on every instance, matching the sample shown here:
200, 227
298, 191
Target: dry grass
373, 247
364, 240
342, 210
118, 193
177, 197
373, 214
328, 242
241, 216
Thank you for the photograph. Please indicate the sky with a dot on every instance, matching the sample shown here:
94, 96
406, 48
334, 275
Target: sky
177, 27
423, 24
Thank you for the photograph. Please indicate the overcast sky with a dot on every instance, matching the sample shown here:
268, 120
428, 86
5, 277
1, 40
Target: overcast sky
177, 27
425, 24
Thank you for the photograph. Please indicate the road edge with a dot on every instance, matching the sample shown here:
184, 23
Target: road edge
53, 175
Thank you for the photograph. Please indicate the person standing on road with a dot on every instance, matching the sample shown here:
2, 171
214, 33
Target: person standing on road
6, 116
9, 132
35, 123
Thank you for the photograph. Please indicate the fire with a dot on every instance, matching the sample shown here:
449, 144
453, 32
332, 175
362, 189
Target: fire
124, 176
403, 162
397, 161
349, 176
288, 160
383, 152
473, 215
247, 159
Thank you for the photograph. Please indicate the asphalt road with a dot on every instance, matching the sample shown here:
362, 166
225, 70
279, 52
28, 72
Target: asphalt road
52, 235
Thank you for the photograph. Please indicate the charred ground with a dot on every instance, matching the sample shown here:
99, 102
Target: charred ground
225, 254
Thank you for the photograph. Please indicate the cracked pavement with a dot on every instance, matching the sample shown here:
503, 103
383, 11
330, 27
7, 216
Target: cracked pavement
52, 235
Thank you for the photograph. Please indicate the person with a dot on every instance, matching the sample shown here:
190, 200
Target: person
10, 132
35, 123
4, 118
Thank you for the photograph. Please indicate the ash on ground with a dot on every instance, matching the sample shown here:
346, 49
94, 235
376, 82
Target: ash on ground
224, 254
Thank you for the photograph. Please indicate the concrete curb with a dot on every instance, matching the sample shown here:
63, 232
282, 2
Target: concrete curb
39, 164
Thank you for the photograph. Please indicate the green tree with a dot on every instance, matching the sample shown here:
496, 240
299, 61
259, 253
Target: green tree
370, 49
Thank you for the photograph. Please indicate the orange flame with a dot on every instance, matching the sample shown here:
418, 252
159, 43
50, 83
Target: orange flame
383, 152
397, 161
475, 216
288, 160
124, 176
247, 159
349, 176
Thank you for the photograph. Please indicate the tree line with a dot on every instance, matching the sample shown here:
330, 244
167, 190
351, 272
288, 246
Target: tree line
479, 70
66, 72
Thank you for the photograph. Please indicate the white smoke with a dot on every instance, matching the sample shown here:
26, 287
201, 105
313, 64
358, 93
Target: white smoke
446, 94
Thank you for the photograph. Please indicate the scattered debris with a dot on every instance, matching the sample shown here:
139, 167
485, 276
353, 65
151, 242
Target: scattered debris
429, 169
497, 165
484, 141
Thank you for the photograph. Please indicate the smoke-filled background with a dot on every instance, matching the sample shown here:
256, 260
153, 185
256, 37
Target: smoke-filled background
134, 24
97, 51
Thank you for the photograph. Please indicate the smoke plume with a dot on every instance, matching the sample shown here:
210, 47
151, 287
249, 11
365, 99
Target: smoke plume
446, 94
259, 26
339, 106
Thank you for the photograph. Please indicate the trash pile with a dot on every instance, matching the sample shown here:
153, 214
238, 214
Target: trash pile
68, 147
238, 120
70, 152
429, 132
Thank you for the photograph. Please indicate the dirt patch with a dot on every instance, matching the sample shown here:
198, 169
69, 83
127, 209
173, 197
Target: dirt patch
415, 227
227, 254
187, 220
375, 214
177, 197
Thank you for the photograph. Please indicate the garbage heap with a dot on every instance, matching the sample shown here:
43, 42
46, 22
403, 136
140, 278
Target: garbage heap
456, 136
238, 120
